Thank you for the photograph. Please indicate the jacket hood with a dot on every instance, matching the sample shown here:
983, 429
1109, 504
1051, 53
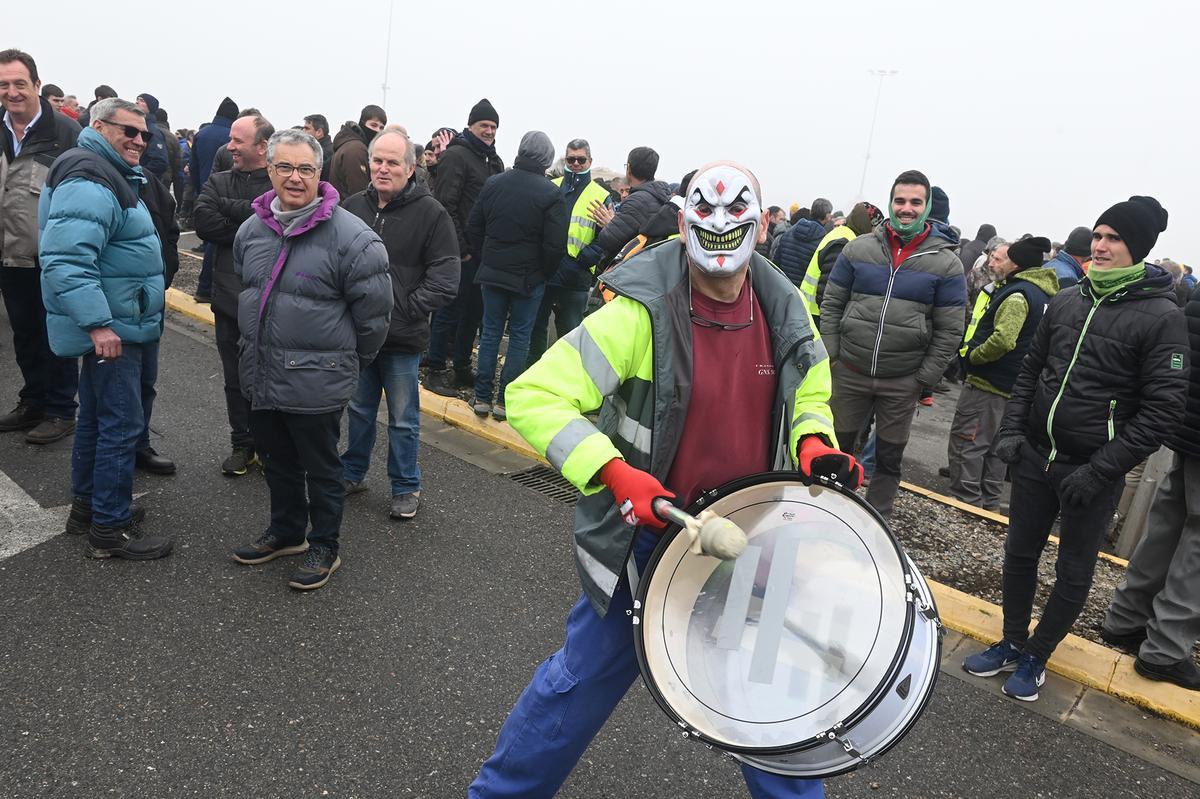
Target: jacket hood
1044, 277
944, 231
664, 223
537, 149
806, 230
349, 132
660, 189
985, 233
1157, 283
1068, 263
89, 139
151, 103
227, 109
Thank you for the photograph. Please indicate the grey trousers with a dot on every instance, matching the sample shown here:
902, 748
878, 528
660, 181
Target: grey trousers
1161, 589
893, 403
976, 475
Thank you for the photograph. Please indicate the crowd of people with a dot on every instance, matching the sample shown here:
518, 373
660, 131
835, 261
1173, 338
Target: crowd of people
690, 317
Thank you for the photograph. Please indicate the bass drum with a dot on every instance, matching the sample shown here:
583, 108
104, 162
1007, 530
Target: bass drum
812, 653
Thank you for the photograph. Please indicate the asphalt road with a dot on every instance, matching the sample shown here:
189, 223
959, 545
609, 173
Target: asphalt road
195, 676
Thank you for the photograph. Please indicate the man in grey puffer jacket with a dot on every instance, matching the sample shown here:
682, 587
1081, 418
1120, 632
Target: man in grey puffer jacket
316, 303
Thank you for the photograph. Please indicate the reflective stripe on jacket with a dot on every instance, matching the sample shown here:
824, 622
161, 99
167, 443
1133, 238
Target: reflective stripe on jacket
632, 360
582, 228
810, 287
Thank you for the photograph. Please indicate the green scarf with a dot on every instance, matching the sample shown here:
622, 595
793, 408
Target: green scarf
1107, 281
907, 232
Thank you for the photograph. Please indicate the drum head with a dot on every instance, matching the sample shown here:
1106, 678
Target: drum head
798, 635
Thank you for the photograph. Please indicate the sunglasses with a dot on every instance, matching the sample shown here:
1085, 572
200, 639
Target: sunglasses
576, 159
130, 131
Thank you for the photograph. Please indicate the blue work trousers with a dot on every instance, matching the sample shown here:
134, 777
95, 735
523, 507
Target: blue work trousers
571, 696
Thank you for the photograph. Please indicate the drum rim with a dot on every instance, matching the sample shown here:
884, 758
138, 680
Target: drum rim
672, 530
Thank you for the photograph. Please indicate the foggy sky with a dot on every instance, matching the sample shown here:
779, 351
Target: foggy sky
1033, 116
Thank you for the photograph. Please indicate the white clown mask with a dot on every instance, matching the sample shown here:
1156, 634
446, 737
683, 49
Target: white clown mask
722, 213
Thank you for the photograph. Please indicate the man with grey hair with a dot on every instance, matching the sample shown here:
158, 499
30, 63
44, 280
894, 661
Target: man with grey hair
221, 208
422, 250
314, 310
517, 235
567, 290
822, 213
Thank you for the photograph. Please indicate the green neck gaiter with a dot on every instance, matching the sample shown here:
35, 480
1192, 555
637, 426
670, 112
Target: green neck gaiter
906, 232
1106, 281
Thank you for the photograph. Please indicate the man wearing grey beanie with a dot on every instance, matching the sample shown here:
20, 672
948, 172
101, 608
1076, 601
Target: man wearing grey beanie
1068, 263
517, 233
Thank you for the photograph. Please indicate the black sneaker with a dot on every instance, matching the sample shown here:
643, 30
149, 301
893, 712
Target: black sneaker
79, 520
267, 546
1126, 642
441, 382
464, 378
1185, 673
129, 542
148, 460
22, 417
239, 462
319, 565
352, 487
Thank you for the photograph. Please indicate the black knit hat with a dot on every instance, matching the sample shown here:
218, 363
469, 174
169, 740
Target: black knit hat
483, 110
1029, 253
1079, 243
1138, 221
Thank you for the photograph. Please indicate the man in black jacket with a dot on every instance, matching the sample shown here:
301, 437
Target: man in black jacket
221, 208
517, 233
1156, 609
1104, 383
646, 196
33, 136
468, 161
423, 259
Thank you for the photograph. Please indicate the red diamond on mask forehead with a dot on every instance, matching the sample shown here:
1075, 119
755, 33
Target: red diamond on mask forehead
720, 187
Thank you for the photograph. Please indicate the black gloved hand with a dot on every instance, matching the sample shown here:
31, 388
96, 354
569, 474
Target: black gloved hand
1008, 449
1082, 485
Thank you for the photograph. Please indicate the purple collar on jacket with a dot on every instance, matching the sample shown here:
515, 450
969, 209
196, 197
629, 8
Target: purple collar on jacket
329, 200
262, 207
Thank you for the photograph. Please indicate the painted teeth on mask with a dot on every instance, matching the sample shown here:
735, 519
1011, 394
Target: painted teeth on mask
730, 240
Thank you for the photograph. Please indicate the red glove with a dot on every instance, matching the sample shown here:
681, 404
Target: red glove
635, 492
818, 459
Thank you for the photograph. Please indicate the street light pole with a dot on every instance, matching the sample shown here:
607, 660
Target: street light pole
387, 57
881, 74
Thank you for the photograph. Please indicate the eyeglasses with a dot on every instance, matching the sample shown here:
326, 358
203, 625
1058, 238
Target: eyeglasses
306, 171
576, 159
702, 321
130, 131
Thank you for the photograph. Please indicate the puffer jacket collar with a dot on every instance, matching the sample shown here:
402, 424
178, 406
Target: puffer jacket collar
329, 201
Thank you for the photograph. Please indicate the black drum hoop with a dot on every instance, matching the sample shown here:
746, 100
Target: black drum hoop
873, 699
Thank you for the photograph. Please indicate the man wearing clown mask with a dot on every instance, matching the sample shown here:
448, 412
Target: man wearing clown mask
704, 368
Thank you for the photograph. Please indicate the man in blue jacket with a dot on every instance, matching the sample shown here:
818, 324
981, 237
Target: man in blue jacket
207, 141
102, 282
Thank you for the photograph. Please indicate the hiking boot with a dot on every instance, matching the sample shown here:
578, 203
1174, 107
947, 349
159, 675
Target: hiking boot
129, 542
1185, 674
1001, 656
498, 412
267, 546
1126, 642
51, 429
319, 565
148, 460
464, 378
352, 487
404, 506
1025, 681
441, 381
22, 417
239, 462
481, 408
79, 520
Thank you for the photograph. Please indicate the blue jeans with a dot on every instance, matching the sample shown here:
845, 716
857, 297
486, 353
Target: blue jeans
393, 374
110, 423
519, 311
571, 696
149, 392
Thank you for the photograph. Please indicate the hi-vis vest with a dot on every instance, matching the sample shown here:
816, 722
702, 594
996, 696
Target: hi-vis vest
982, 300
812, 278
582, 229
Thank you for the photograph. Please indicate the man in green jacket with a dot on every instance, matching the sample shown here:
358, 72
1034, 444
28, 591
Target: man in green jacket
704, 368
993, 351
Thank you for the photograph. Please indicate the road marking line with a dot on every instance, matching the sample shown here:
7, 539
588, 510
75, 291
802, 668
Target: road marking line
27, 522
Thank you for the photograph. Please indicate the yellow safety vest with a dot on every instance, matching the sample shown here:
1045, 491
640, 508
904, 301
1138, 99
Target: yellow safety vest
812, 278
982, 300
582, 229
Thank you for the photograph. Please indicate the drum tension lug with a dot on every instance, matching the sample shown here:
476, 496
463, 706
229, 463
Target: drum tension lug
923, 607
835, 734
633, 612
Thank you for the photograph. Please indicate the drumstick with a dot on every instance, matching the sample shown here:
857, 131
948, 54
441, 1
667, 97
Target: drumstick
710, 534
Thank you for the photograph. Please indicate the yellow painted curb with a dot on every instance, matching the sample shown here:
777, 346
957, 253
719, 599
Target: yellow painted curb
1076, 658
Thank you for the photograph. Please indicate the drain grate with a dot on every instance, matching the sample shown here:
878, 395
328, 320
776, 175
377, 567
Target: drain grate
547, 482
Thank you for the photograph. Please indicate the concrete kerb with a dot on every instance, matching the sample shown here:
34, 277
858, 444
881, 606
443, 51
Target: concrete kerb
1076, 658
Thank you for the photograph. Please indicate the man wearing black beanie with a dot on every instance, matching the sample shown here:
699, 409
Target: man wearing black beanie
1105, 382
1068, 263
992, 353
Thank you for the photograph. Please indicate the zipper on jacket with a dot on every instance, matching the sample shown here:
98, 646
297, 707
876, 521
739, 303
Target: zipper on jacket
1066, 376
1112, 410
887, 297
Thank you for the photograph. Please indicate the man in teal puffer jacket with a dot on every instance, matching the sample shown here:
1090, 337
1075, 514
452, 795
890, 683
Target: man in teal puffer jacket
102, 283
